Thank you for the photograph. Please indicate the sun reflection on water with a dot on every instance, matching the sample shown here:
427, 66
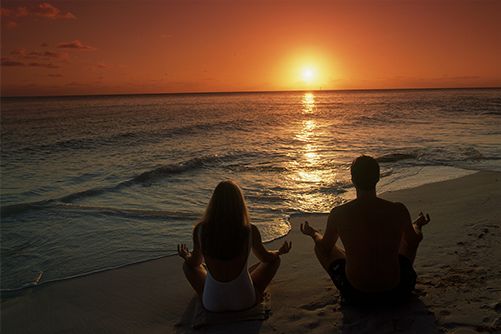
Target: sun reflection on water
308, 103
309, 173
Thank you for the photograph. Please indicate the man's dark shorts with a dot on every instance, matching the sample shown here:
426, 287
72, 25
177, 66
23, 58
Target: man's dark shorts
351, 295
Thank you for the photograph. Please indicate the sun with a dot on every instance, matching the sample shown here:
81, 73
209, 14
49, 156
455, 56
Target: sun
308, 74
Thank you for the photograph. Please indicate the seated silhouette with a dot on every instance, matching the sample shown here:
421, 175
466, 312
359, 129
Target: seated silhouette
380, 243
224, 239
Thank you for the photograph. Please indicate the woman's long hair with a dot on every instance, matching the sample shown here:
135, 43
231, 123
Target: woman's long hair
225, 223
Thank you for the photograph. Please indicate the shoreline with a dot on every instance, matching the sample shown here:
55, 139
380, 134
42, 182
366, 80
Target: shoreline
457, 265
400, 184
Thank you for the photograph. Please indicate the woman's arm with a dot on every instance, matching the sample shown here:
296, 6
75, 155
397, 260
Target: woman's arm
261, 252
195, 258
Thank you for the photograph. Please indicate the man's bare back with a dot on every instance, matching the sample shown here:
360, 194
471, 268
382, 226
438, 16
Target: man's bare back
371, 231
380, 241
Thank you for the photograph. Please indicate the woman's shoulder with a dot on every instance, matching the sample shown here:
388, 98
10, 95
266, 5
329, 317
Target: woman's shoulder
254, 230
197, 228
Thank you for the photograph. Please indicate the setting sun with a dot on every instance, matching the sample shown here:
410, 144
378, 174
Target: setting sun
308, 75
308, 69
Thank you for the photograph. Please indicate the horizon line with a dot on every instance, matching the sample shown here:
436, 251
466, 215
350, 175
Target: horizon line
251, 92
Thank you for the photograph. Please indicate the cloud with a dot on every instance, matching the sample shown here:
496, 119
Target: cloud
76, 44
5, 11
57, 55
49, 54
55, 75
14, 12
46, 65
6, 61
11, 62
77, 84
19, 52
22, 52
48, 11
44, 45
22, 12
44, 10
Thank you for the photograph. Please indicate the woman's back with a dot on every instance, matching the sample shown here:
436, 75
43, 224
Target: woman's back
228, 285
227, 269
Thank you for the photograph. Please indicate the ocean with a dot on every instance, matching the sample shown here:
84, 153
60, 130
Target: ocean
95, 182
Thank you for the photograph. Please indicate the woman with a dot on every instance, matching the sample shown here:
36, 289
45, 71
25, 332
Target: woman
224, 239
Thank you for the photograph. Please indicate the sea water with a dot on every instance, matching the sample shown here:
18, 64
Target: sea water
95, 182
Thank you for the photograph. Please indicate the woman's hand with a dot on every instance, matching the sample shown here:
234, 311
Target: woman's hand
307, 229
421, 220
286, 247
182, 251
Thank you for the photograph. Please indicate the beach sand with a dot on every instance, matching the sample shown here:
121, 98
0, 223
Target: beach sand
458, 287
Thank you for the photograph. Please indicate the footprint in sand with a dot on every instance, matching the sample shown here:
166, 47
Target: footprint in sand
317, 305
444, 312
497, 307
463, 330
311, 325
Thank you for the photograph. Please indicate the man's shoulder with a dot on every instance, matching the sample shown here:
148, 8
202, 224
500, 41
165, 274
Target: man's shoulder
343, 207
342, 212
397, 208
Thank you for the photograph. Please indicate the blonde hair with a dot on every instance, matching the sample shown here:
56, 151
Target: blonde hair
225, 223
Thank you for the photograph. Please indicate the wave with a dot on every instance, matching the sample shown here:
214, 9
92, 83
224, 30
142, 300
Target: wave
492, 112
436, 155
304, 213
393, 157
131, 213
132, 137
111, 211
163, 171
146, 178
334, 190
14, 209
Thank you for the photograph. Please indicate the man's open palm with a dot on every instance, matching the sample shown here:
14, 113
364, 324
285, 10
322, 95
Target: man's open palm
307, 229
422, 220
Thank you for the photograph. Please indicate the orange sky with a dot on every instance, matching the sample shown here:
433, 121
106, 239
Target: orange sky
108, 47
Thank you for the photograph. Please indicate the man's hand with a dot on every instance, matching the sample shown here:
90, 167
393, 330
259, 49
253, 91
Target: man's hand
421, 220
286, 247
182, 251
307, 229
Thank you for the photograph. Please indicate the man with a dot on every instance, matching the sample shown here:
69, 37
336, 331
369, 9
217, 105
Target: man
379, 239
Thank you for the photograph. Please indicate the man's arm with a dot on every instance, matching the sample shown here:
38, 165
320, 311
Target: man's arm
326, 241
412, 232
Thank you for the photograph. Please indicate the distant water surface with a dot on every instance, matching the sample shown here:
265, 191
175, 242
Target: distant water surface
89, 183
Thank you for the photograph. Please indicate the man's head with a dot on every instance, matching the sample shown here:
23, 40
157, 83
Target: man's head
365, 173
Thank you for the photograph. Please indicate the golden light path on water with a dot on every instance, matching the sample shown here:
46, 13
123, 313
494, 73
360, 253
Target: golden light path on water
310, 175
